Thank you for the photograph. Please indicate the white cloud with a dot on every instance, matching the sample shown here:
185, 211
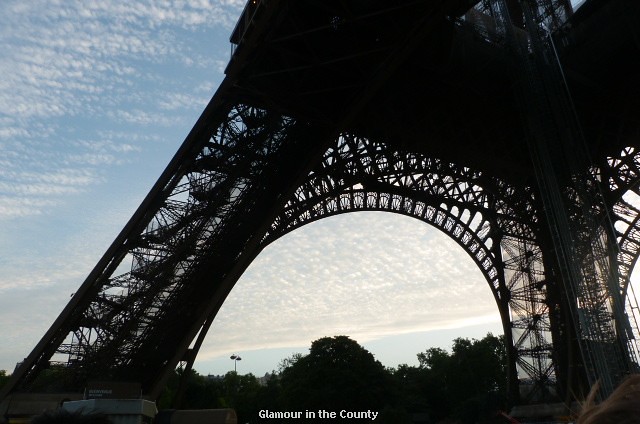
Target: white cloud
88, 86
56, 56
367, 275
182, 101
84, 83
11, 207
79, 94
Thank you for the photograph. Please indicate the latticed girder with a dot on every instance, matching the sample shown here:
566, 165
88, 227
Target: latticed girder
486, 15
358, 174
493, 222
527, 284
355, 164
572, 201
477, 212
621, 176
245, 177
138, 324
454, 199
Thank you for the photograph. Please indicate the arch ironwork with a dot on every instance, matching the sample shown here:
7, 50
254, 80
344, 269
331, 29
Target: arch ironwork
621, 176
200, 207
268, 156
494, 223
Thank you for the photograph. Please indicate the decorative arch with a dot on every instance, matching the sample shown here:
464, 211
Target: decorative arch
238, 183
622, 178
494, 223
471, 231
359, 175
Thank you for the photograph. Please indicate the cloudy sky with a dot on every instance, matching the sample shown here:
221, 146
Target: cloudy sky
95, 98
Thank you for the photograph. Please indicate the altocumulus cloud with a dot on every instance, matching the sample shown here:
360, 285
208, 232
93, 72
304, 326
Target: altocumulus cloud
73, 70
90, 86
94, 95
367, 275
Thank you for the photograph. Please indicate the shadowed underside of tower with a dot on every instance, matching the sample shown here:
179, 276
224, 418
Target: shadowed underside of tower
512, 126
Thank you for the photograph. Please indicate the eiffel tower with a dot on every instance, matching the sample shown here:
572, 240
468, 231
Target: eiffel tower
513, 126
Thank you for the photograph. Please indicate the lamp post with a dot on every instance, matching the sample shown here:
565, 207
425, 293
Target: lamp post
235, 358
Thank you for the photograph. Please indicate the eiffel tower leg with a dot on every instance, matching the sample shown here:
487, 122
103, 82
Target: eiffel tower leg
187, 245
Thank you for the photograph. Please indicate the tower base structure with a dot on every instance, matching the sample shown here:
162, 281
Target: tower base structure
119, 411
22, 407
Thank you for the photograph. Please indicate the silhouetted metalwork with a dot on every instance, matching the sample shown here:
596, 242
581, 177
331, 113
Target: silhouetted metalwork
511, 126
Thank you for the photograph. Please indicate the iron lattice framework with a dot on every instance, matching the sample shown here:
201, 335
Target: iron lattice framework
331, 107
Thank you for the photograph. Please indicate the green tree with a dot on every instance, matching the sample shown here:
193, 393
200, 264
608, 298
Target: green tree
434, 357
466, 385
242, 394
469, 383
201, 392
3, 378
269, 396
420, 392
337, 374
478, 366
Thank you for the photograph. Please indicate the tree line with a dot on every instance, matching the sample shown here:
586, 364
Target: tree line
466, 385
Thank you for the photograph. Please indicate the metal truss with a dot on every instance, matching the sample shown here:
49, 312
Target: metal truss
524, 28
486, 16
494, 223
247, 175
140, 323
572, 201
622, 179
127, 326
137, 325
526, 282
356, 174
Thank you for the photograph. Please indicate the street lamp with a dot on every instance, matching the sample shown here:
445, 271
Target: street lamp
235, 358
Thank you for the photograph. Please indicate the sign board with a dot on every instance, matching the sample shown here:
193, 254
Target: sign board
112, 390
